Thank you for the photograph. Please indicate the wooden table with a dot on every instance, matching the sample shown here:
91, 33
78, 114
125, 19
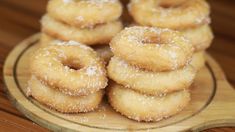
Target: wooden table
20, 19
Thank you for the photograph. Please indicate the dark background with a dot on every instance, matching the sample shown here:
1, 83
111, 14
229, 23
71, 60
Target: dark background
20, 19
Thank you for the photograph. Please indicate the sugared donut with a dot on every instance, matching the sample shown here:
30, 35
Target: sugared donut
100, 34
103, 50
62, 102
187, 15
71, 67
154, 49
148, 82
141, 107
198, 60
201, 37
85, 13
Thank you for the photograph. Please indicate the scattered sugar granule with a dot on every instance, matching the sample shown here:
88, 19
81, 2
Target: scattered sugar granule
28, 92
80, 18
91, 70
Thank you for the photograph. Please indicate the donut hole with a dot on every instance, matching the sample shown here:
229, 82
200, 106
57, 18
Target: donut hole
171, 3
152, 39
72, 64
167, 6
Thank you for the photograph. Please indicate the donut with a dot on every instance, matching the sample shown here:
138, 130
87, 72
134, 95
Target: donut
62, 102
151, 48
104, 51
71, 67
190, 13
198, 60
81, 13
100, 34
148, 82
141, 107
201, 37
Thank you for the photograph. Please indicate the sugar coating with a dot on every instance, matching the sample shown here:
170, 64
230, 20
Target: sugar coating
80, 18
92, 70
136, 33
97, 2
84, 119
70, 43
28, 91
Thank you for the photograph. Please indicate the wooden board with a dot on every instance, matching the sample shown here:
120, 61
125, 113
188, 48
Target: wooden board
212, 104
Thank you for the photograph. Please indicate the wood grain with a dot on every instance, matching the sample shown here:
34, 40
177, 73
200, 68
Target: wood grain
19, 19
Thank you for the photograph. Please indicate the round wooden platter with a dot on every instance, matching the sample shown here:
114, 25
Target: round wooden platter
212, 104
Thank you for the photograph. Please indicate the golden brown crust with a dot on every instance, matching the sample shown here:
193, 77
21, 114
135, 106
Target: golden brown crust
148, 82
100, 34
153, 49
62, 102
62, 68
85, 13
140, 107
191, 13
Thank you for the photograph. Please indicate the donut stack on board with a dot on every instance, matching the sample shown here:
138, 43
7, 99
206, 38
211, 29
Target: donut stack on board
190, 17
90, 22
65, 80
153, 65
151, 73
66, 74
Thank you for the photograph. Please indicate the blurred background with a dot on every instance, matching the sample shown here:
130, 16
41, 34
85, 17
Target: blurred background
20, 18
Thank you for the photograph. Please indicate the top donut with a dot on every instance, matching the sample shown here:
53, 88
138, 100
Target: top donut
187, 14
81, 13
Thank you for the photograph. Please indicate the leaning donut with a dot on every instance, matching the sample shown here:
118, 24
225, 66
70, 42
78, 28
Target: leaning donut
140, 107
187, 15
100, 34
71, 67
151, 83
62, 102
152, 48
200, 37
85, 13
103, 50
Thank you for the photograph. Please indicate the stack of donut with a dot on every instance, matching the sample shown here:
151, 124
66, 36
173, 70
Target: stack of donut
151, 73
65, 80
153, 66
190, 17
91, 22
